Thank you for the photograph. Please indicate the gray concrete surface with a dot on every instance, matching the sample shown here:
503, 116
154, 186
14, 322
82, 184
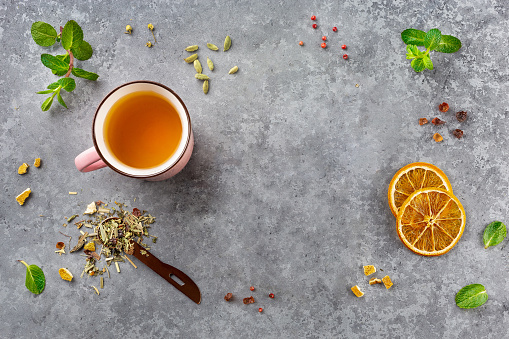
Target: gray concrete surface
286, 189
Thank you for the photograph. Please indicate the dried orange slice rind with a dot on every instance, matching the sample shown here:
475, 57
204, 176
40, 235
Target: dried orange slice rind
431, 221
411, 178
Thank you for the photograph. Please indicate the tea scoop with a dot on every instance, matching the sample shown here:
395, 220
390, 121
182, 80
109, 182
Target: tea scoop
167, 272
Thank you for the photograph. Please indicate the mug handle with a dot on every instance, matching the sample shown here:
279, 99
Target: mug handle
89, 161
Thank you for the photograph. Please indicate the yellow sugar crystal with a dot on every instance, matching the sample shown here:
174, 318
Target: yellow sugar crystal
23, 196
387, 282
369, 269
90, 246
373, 281
23, 168
358, 293
37, 162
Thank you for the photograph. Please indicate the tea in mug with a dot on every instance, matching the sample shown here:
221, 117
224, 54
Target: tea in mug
142, 129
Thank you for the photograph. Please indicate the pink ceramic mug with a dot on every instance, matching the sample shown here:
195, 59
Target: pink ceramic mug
100, 156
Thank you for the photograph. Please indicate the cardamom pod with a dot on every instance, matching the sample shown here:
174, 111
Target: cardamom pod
191, 48
206, 86
210, 64
233, 70
227, 43
212, 47
197, 66
191, 58
200, 76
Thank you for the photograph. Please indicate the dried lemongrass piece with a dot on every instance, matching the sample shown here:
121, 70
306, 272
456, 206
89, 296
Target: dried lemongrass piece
212, 47
210, 64
356, 290
102, 282
233, 70
125, 256
373, 281
191, 58
191, 48
227, 43
197, 66
387, 282
96, 290
369, 269
206, 86
23, 168
65, 274
118, 267
37, 162
103, 210
23, 196
73, 193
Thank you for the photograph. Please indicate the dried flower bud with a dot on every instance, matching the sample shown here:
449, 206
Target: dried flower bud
443, 107
128, 29
437, 122
461, 116
438, 137
60, 245
151, 27
249, 300
423, 121
458, 133
148, 44
228, 296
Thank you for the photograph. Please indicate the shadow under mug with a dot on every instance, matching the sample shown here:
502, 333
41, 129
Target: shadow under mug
100, 156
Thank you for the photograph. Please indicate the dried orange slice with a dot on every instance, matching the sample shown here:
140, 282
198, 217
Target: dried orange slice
411, 178
431, 221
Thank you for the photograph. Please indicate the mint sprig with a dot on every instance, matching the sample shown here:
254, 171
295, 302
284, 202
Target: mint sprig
433, 40
71, 39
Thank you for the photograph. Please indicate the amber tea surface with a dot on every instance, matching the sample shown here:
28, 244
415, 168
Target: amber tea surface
142, 129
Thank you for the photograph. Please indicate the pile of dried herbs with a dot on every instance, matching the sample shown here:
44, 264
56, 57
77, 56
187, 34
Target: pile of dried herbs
113, 230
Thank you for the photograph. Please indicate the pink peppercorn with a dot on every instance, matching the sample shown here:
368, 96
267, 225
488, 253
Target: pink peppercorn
271, 295
345, 56
343, 47
334, 29
260, 309
324, 38
315, 25
313, 17
251, 288
301, 43
324, 45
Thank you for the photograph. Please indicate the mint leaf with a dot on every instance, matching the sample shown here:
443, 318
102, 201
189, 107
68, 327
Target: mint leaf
84, 74
47, 103
54, 63
65, 58
61, 100
432, 39
494, 234
72, 35
427, 62
448, 44
412, 51
413, 37
54, 85
45, 92
83, 51
471, 296
418, 65
43, 34
67, 83
35, 280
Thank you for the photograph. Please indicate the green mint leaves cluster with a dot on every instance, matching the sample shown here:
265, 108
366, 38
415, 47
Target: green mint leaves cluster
433, 40
71, 38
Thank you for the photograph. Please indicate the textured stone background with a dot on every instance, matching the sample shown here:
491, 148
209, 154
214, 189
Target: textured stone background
286, 189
